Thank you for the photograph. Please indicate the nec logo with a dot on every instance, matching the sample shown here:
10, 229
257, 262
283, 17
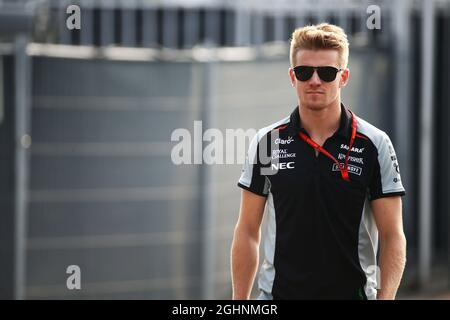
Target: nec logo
282, 166
281, 141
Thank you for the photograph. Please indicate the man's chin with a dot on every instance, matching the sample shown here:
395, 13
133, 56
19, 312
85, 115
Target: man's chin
315, 106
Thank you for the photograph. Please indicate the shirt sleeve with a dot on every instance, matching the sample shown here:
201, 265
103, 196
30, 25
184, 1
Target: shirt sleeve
251, 178
386, 180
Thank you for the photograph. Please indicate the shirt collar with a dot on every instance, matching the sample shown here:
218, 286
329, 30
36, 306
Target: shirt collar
344, 129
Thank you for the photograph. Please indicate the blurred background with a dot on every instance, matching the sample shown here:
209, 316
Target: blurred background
86, 117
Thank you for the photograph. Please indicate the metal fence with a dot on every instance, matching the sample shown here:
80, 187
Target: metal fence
103, 192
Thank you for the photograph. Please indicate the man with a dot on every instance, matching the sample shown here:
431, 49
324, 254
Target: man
327, 166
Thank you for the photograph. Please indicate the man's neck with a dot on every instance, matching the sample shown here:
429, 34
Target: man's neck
321, 124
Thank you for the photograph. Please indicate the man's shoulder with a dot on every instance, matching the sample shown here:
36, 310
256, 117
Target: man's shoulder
274, 126
373, 133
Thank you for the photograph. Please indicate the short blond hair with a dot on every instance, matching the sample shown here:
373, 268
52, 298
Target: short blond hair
321, 36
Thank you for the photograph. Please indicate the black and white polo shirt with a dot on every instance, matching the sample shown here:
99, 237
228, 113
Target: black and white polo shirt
320, 241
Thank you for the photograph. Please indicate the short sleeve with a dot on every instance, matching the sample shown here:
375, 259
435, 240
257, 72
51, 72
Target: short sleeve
386, 180
251, 178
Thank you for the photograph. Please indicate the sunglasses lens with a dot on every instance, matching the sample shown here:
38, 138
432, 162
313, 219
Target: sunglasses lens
303, 73
327, 74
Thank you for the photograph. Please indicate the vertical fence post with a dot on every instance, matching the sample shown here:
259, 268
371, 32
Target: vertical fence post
22, 74
426, 143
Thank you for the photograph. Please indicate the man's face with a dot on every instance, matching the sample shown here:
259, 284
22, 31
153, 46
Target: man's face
316, 94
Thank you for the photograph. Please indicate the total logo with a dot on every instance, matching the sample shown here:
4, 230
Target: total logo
282, 141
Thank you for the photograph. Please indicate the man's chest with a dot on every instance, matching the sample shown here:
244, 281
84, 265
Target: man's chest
293, 163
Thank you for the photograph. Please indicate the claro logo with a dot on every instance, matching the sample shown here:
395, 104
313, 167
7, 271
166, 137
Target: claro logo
282, 141
282, 165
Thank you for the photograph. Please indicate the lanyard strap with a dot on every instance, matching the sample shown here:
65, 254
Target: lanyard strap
316, 146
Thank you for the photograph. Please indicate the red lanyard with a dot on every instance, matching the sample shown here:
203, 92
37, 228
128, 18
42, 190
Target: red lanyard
316, 146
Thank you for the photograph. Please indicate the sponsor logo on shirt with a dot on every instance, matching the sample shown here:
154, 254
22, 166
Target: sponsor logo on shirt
284, 141
351, 168
282, 166
353, 159
354, 149
395, 164
282, 153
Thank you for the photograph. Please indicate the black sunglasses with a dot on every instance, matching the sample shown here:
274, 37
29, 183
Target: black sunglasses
327, 74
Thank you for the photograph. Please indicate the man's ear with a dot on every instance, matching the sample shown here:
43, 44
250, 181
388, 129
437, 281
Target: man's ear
345, 75
292, 76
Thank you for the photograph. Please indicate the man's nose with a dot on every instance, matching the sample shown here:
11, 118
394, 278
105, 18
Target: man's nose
315, 78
